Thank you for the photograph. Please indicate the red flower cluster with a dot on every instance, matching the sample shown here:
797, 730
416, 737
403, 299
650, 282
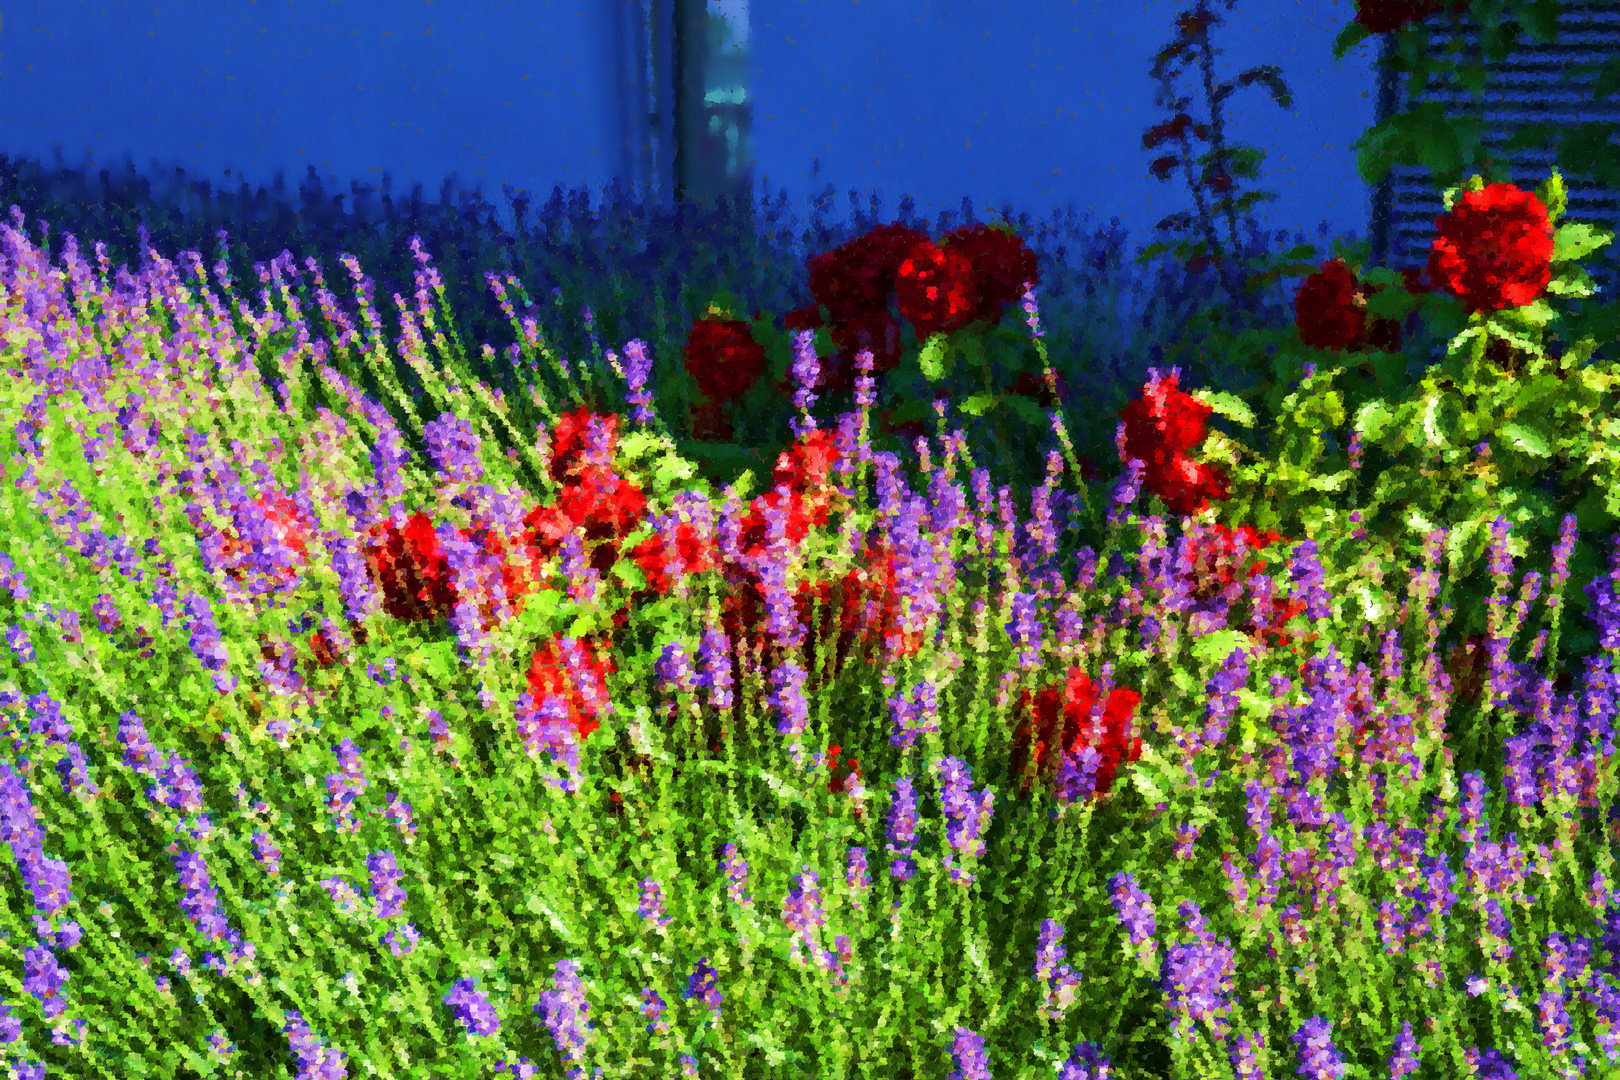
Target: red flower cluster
724, 358
1493, 249
410, 567
1330, 312
1384, 16
1160, 428
970, 276
1213, 571
1038, 731
282, 516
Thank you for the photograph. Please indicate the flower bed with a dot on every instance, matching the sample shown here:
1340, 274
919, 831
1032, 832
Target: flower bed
336, 745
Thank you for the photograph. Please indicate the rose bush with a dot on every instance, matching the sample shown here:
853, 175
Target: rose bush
409, 565
1503, 425
918, 306
1039, 731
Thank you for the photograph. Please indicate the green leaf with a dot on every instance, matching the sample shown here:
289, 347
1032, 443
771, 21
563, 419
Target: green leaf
1332, 482
1373, 419
1028, 411
1391, 303
979, 404
1213, 648
1553, 196
1541, 19
1243, 203
1348, 38
1228, 406
971, 349
1526, 440
728, 304
1608, 80
1151, 250
934, 358
1574, 240
1242, 162
1472, 78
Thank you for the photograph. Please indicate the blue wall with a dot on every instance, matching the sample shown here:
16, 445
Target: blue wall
515, 90
1044, 102
1038, 102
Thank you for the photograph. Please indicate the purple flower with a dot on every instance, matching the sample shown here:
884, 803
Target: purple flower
563, 1009
971, 1062
1025, 629
1198, 979
472, 1008
1134, 906
965, 813
701, 984
801, 910
1060, 981
390, 898
652, 1006
736, 874
637, 366
44, 979
1404, 1060
1086, 1062
453, 445
918, 717
407, 933
902, 829
652, 904
315, 1062
1318, 1058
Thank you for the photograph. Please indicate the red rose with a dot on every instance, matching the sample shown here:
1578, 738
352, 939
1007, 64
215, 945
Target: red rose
724, 358
1038, 732
1325, 308
654, 557
412, 570
1159, 427
601, 503
1001, 265
570, 440
1384, 16
548, 676
857, 277
1186, 486
1163, 417
1493, 250
1330, 312
808, 463
935, 289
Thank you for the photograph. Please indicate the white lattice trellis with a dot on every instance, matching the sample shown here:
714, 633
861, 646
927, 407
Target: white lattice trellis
1538, 83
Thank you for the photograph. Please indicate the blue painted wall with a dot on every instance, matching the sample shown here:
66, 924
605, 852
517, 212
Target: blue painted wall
1038, 102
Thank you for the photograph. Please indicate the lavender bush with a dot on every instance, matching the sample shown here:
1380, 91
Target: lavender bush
226, 867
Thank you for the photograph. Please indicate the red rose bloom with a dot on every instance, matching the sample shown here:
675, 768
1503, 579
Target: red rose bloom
1001, 264
571, 439
1325, 308
1384, 16
935, 289
857, 277
1493, 250
724, 358
1040, 732
1163, 419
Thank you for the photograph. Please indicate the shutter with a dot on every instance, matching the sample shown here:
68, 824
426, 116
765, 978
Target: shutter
685, 107
1538, 82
